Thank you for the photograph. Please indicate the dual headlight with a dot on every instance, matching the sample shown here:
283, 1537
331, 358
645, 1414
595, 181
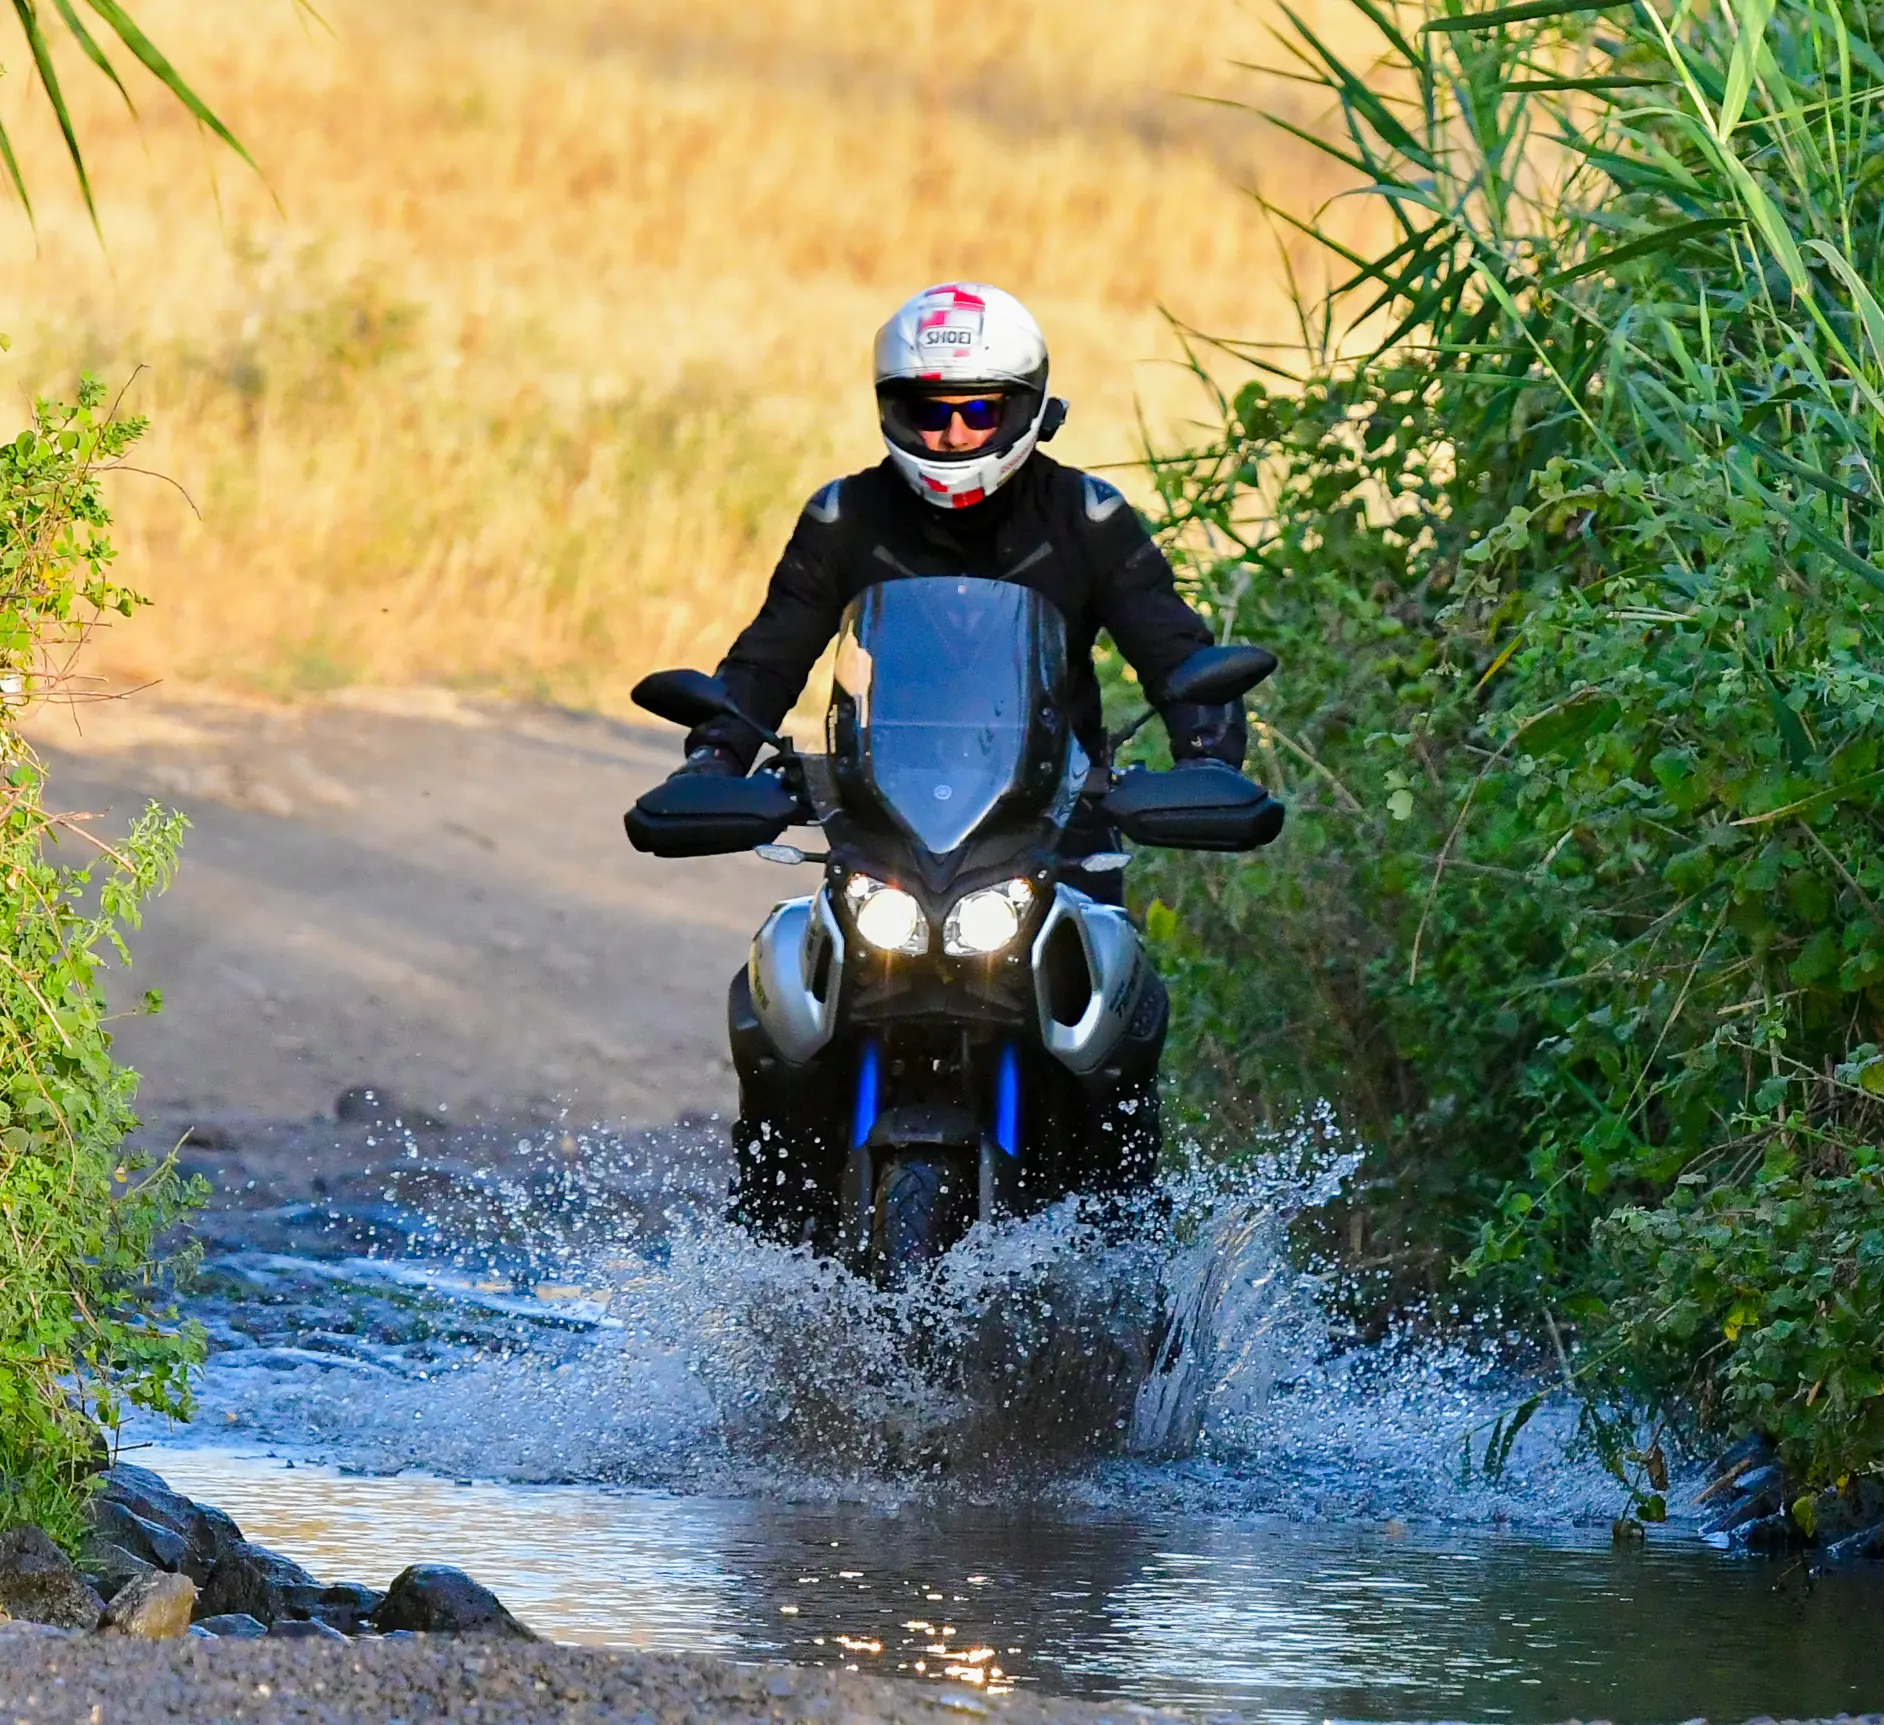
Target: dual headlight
978, 923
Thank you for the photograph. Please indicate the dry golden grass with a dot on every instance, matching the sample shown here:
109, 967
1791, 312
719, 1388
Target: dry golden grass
568, 303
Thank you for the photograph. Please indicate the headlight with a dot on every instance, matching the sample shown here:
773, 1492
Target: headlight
886, 916
985, 921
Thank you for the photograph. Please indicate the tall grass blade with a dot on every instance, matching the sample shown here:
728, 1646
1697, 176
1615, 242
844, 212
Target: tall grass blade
1869, 311
1754, 16
28, 16
13, 172
160, 68
1528, 12
1669, 239
91, 50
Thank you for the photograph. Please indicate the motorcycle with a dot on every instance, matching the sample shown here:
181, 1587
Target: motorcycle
952, 1028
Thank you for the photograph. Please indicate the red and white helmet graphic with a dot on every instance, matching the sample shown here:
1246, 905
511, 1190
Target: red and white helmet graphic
955, 339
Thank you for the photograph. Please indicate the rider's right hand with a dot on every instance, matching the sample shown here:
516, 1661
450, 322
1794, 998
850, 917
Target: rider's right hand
710, 762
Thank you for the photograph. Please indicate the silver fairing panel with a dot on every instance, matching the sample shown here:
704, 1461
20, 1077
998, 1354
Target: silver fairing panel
799, 948
1116, 967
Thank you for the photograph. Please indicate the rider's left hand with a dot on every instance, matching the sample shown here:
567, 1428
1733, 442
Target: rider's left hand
1199, 733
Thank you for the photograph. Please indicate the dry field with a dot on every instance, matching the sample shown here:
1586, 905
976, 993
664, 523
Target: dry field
513, 373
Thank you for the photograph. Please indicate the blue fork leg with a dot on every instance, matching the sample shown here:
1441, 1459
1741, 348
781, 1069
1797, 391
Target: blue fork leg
1007, 1100
869, 1084
860, 1176
1000, 1160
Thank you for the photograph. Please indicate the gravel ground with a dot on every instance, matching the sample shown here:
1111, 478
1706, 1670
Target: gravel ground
57, 1680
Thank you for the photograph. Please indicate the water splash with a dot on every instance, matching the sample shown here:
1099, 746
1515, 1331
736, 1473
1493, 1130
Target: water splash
587, 1339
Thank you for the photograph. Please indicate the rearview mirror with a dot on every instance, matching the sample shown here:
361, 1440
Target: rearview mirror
1214, 675
1203, 807
705, 817
682, 697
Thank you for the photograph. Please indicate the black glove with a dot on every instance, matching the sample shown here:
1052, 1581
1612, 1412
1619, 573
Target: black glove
710, 762
1198, 733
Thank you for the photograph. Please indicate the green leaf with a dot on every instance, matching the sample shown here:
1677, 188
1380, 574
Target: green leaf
1819, 958
1564, 730
91, 50
1754, 16
160, 68
28, 16
1647, 246
1520, 14
1799, 470
1869, 311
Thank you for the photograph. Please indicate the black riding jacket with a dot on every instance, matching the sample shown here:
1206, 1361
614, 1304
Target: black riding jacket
1071, 537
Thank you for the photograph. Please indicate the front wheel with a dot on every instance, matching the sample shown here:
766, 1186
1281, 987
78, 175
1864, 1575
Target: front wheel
921, 1209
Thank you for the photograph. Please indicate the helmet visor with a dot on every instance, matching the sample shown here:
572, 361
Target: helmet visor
908, 413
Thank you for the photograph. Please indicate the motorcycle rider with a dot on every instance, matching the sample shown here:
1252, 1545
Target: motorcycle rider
961, 383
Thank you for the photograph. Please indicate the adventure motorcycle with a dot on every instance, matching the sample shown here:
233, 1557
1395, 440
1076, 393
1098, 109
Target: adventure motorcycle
950, 1028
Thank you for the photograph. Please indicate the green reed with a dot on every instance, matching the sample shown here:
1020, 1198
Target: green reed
1563, 522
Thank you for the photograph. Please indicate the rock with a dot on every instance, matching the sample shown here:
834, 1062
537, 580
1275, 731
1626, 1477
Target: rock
156, 1545
207, 1532
1758, 1481
1745, 1506
40, 1584
1838, 1514
232, 1626
1746, 1457
1754, 1447
156, 1607
1770, 1533
110, 1568
305, 1629
262, 1583
436, 1599
347, 1606
203, 1634
1865, 1546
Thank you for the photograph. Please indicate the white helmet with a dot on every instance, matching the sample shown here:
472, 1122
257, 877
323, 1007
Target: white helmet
955, 339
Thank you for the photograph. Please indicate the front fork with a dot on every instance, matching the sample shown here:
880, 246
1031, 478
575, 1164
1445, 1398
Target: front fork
998, 1154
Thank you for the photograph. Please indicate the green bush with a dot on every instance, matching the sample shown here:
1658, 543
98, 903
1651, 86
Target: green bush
86, 1323
1574, 574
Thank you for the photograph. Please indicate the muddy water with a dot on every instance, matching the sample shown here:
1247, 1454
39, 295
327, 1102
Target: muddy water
1259, 1616
654, 1432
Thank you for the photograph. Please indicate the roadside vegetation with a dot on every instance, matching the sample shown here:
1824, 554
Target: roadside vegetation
1564, 516
88, 1326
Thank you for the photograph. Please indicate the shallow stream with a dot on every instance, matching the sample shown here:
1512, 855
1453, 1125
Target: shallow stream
665, 1437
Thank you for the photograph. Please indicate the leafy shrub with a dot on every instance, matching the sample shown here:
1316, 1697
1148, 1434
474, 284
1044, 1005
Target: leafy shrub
1574, 574
85, 1321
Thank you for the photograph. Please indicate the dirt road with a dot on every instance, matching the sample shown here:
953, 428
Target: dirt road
126, 1682
420, 893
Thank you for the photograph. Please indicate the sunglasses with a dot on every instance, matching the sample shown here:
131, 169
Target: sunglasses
981, 413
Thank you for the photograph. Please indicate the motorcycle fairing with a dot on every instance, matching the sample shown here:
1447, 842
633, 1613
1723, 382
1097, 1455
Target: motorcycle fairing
1090, 973
949, 699
796, 972
1085, 978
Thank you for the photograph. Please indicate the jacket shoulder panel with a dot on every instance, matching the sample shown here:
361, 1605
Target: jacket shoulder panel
846, 501
827, 504
1099, 500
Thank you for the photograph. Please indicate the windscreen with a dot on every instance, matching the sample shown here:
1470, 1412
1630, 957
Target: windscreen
955, 686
